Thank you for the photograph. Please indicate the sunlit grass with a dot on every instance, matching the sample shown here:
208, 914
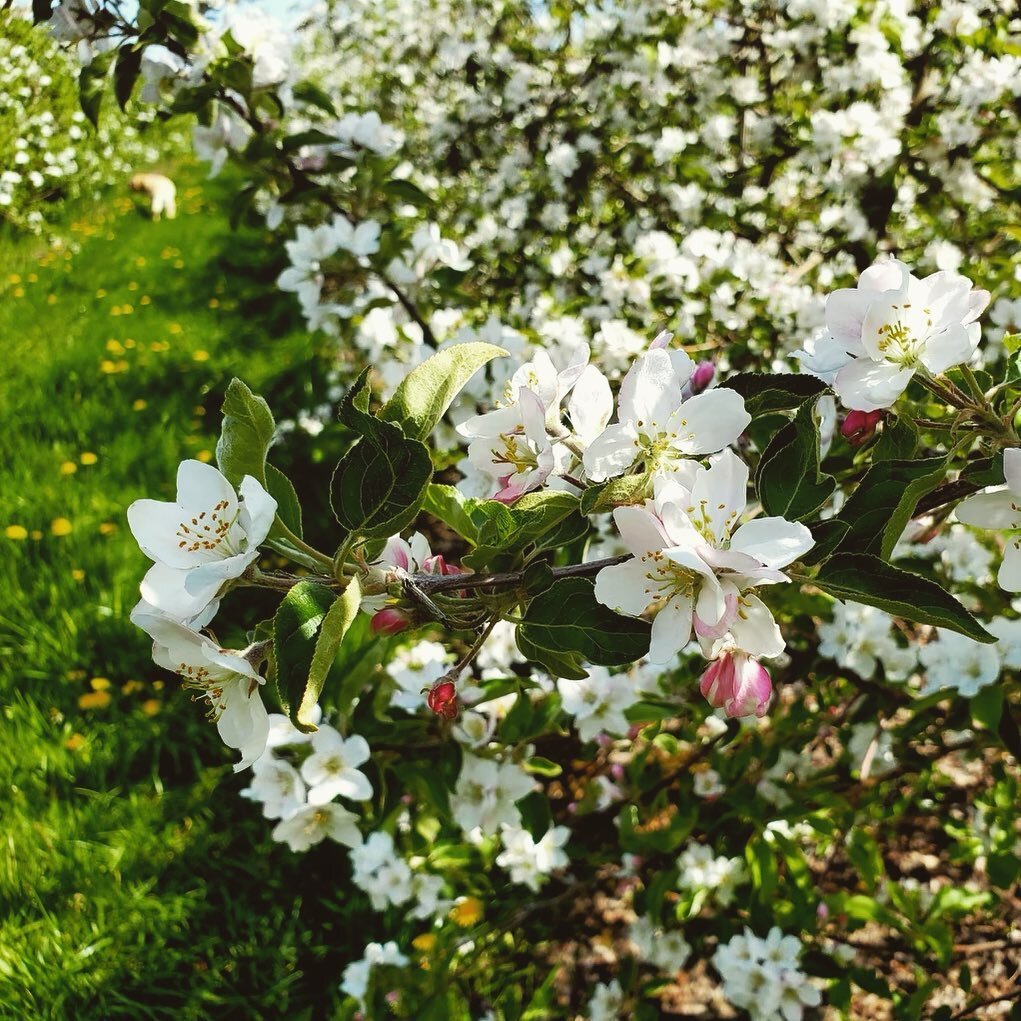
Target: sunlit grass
134, 882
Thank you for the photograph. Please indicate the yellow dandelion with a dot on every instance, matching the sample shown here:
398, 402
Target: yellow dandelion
145, 300
178, 263
467, 911
205, 456
61, 526
132, 286
107, 528
140, 261
78, 574
130, 687
151, 706
101, 293
18, 292
201, 356
51, 299
32, 277
129, 342
75, 743
94, 700
174, 328
99, 683
115, 310
198, 410
68, 468
214, 302
16, 532
87, 457
115, 347
157, 685
126, 310
13, 278
35, 534
140, 404
425, 942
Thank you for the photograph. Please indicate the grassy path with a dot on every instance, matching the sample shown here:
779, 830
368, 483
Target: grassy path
134, 882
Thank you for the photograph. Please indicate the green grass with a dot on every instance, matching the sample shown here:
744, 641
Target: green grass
134, 881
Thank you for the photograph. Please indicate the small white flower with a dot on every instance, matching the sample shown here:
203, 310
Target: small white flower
330, 770
607, 1003
956, 661
531, 861
278, 785
598, 702
312, 824
486, 792
666, 949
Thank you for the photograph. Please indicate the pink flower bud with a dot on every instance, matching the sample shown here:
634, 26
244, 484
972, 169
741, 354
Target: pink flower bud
701, 377
442, 699
738, 684
389, 622
437, 565
859, 427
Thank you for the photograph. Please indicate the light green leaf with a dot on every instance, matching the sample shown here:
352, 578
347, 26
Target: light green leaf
245, 435
279, 486
335, 625
428, 390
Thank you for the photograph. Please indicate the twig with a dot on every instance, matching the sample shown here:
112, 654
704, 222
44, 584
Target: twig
431, 583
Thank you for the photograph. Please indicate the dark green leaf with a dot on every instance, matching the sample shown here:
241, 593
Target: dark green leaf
789, 482
986, 471
869, 580
311, 94
91, 84
297, 622
125, 74
1003, 869
279, 486
42, 10
881, 506
556, 663
828, 536
898, 439
987, 707
1009, 733
313, 136
567, 618
764, 393
405, 191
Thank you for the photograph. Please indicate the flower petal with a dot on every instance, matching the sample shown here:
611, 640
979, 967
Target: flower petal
623, 587
866, 385
754, 629
709, 421
774, 542
612, 452
671, 630
650, 391
951, 347
996, 509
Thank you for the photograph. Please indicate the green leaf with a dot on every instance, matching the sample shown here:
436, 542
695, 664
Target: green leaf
628, 489
245, 435
555, 663
279, 486
428, 390
881, 506
379, 485
869, 580
1012, 342
452, 508
985, 471
542, 766
567, 618
91, 84
404, 191
312, 136
765, 393
898, 439
295, 626
336, 623
828, 535
987, 707
125, 73
789, 482
1009, 733
1003, 869
311, 94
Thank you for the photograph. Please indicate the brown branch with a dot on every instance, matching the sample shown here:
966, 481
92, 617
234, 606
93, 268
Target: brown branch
431, 583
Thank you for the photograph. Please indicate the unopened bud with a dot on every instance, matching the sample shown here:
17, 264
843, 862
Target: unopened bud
438, 565
737, 684
442, 699
859, 427
389, 622
701, 377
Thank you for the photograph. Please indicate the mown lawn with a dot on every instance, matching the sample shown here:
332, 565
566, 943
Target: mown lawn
134, 881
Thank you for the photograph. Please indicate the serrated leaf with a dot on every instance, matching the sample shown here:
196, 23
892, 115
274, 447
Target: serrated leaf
452, 508
245, 435
427, 391
897, 440
867, 579
882, 504
379, 485
556, 664
335, 625
567, 618
828, 535
298, 618
788, 482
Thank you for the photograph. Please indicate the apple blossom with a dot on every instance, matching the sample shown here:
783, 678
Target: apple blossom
530, 861
278, 785
656, 427
226, 679
893, 324
485, 794
598, 702
311, 824
331, 768
692, 569
207, 538
1001, 509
